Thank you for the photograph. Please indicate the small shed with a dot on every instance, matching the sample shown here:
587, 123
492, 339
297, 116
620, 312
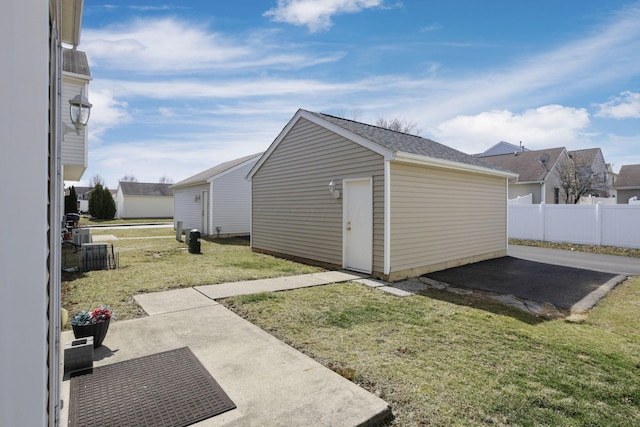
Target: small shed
144, 200
345, 194
216, 201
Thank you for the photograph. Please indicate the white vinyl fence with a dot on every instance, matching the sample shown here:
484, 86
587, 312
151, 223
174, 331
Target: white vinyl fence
607, 225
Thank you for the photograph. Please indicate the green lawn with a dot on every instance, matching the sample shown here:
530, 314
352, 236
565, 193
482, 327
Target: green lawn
152, 260
445, 359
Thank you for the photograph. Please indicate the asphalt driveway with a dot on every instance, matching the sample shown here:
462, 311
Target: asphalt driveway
564, 287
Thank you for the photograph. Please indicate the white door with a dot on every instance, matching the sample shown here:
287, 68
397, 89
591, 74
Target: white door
204, 199
357, 218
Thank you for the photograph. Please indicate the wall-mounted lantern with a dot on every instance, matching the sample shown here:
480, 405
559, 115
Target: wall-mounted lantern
332, 189
197, 198
79, 112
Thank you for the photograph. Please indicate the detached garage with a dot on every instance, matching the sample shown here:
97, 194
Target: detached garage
216, 201
340, 193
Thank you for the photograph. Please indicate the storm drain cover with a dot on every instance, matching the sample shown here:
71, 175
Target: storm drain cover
171, 388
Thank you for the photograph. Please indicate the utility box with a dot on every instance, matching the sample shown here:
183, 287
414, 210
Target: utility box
194, 241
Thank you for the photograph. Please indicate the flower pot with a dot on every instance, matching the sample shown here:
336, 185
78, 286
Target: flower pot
98, 331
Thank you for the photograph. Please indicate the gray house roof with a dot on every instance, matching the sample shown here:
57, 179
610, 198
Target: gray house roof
503, 147
145, 189
527, 164
202, 177
75, 61
406, 143
629, 177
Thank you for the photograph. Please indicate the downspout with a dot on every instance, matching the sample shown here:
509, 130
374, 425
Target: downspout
387, 218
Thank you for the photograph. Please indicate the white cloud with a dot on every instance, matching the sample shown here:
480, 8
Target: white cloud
316, 14
626, 105
543, 127
174, 46
106, 113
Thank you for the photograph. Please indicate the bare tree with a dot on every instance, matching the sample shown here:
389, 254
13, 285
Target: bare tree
95, 180
128, 178
354, 114
577, 181
164, 179
399, 125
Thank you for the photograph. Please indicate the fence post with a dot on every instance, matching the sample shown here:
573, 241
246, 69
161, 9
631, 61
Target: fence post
543, 222
599, 222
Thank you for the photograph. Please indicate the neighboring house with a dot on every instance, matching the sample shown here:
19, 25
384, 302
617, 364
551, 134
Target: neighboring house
75, 79
31, 134
144, 200
538, 173
503, 147
216, 201
628, 183
345, 194
593, 169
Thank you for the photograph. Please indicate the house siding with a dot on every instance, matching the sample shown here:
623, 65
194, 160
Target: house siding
74, 147
186, 209
231, 194
293, 212
443, 218
624, 195
145, 207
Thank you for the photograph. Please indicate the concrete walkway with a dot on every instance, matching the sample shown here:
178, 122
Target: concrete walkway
270, 382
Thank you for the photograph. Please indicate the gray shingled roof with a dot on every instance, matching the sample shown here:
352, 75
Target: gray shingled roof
628, 177
75, 61
406, 143
526, 163
584, 157
145, 189
201, 178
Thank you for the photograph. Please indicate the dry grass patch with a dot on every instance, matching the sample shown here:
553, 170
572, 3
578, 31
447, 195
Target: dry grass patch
444, 359
604, 250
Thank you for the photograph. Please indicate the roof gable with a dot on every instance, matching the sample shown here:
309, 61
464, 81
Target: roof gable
503, 147
629, 177
145, 189
390, 144
527, 163
207, 175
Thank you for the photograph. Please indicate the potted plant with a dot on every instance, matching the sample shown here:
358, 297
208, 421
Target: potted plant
92, 324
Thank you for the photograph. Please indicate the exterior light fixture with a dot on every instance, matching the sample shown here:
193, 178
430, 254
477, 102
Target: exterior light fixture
79, 112
197, 198
332, 189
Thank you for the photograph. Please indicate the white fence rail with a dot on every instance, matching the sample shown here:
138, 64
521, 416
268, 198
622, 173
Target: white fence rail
607, 225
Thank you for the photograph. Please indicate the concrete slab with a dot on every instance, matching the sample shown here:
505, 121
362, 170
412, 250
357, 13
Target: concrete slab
172, 301
103, 238
270, 382
395, 291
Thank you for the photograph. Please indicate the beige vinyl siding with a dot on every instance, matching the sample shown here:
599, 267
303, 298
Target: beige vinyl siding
293, 211
624, 195
441, 218
516, 190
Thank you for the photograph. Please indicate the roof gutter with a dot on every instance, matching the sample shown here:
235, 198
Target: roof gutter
448, 164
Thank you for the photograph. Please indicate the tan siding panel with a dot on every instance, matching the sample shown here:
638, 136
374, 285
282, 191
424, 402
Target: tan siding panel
438, 216
293, 211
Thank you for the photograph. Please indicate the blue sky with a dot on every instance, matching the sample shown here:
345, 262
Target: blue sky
180, 87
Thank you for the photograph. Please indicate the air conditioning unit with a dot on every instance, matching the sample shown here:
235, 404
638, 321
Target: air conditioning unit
82, 236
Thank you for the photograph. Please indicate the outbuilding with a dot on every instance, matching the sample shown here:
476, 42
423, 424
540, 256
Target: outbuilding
344, 194
143, 200
216, 201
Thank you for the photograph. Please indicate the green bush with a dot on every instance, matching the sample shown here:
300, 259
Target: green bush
101, 203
